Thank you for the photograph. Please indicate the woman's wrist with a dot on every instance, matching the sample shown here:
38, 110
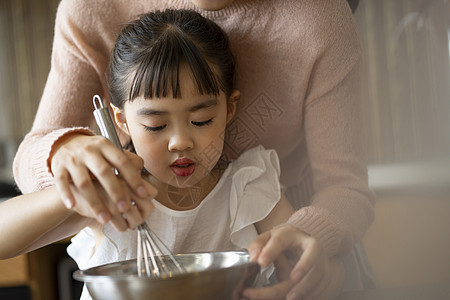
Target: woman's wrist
63, 139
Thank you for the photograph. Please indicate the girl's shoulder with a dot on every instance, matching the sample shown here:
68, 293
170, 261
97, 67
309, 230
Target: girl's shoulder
257, 158
255, 190
255, 170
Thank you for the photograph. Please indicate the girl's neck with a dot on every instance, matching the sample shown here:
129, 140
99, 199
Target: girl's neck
187, 198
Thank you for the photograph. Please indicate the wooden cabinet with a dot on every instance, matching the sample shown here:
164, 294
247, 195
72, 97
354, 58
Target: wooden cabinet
38, 271
14, 271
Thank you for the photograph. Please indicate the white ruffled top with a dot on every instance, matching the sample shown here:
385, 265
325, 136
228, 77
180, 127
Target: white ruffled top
245, 194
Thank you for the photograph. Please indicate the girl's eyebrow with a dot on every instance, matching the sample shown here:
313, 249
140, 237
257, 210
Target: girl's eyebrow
153, 112
205, 104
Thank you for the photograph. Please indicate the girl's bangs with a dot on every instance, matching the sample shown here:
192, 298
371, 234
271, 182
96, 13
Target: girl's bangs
158, 74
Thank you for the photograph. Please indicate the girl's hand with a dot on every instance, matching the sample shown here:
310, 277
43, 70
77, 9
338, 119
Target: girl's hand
309, 277
81, 160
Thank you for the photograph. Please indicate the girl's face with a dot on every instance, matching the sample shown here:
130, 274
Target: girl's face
180, 140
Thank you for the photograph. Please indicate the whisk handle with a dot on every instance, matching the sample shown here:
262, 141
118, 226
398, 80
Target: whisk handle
104, 121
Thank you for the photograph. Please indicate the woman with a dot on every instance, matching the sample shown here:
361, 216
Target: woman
297, 69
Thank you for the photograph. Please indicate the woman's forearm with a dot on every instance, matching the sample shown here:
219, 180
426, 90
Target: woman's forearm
34, 220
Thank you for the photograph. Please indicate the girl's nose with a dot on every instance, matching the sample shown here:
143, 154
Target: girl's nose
180, 141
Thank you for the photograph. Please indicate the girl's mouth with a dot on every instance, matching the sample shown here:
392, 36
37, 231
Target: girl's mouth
183, 167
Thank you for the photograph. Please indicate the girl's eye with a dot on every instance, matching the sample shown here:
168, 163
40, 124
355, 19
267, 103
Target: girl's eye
157, 128
204, 123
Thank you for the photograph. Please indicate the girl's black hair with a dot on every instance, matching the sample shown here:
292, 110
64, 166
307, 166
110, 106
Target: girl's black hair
148, 52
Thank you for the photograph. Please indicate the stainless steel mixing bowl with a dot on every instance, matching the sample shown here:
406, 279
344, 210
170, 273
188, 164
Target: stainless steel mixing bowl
212, 275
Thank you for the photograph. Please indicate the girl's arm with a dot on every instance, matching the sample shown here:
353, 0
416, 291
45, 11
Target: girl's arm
35, 220
279, 215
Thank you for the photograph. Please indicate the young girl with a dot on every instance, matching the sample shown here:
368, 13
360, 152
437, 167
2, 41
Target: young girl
171, 86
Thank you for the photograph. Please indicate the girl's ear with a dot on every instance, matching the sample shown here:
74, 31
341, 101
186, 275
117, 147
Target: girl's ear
231, 104
121, 121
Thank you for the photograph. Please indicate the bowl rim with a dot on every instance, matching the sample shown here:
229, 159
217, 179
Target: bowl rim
84, 276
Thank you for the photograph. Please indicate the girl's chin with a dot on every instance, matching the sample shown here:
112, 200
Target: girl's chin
180, 182
183, 182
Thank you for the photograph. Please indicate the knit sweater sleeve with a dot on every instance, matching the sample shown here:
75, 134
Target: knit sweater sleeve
341, 208
77, 73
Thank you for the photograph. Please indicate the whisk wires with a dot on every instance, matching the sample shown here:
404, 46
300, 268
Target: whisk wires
154, 259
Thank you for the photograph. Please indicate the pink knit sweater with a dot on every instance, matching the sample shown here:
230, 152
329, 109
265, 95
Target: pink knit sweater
298, 73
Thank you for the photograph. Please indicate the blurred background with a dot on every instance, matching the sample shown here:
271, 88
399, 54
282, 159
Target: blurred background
406, 102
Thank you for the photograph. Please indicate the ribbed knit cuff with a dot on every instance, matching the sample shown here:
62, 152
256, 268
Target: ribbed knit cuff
30, 166
56, 136
322, 225
43, 177
236, 7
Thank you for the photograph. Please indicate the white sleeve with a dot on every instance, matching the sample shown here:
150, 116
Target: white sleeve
82, 248
255, 190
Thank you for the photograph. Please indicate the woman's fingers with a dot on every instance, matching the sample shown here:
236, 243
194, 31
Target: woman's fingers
255, 247
144, 204
62, 183
128, 165
311, 273
309, 277
89, 164
309, 282
139, 211
121, 221
138, 184
86, 192
311, 285
284, 237
273, 292
312, 255
321, 286
105, 174
68, 167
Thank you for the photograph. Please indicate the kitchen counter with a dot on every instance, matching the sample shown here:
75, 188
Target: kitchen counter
410, 176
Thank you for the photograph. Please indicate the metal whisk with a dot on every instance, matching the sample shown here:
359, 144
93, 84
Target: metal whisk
154, 259
162, 261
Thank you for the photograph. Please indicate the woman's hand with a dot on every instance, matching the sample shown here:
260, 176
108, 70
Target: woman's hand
121, 221
81, 160
308, 278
